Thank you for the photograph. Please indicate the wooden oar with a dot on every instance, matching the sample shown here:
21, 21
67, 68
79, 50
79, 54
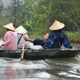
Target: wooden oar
22, 53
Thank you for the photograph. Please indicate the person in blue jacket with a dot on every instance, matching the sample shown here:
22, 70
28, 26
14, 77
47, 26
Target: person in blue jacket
55, 38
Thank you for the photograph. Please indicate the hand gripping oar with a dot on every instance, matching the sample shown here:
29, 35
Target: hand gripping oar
22, 53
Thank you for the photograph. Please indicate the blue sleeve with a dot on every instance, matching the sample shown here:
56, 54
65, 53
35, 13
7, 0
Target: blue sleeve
66, 42
50, 42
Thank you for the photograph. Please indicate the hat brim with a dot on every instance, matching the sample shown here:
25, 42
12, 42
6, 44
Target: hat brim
57, 25
9, 26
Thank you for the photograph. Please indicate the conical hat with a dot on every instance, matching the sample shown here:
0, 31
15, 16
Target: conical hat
21, 30
10, 26
57, 25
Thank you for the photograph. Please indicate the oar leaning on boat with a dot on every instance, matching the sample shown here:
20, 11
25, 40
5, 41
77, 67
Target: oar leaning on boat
21, 41
22, 53
24, 41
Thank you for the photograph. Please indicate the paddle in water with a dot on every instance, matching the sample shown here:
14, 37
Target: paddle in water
22, 53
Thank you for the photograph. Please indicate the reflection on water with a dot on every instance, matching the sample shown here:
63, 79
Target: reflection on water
25, 70
55, 69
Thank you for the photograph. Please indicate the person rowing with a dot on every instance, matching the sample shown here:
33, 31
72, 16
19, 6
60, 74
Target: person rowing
55, 38
9, 42
23, 38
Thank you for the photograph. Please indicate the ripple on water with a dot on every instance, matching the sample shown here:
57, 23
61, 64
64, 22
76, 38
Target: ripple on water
17, 70
42, 69
38, 76
70, 75
31, 65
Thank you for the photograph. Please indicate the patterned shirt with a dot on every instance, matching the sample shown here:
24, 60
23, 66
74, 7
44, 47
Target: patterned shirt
56, 39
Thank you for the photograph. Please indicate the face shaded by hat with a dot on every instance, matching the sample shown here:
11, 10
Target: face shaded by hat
9, 26
21, 30
57, 25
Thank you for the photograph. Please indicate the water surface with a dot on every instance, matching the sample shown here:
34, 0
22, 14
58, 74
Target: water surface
55, 69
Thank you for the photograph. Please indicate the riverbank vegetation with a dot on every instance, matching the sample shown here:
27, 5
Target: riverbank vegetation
38, 15
74, 36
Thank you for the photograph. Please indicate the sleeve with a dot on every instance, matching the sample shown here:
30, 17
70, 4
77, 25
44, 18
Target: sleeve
66, 41
50, 42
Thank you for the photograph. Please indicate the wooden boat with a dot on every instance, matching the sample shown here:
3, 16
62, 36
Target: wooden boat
40, 54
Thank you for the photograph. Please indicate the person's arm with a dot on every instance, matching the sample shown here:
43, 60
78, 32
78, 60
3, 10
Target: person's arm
50, 42
45, 37
26, 38
66, 42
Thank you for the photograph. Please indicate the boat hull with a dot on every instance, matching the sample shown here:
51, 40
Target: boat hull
40, 54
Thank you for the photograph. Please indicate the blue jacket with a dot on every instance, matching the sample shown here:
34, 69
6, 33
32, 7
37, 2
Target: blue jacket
56, 39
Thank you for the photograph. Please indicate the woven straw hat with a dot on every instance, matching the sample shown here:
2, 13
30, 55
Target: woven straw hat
21, 30
57, 25
9, 26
